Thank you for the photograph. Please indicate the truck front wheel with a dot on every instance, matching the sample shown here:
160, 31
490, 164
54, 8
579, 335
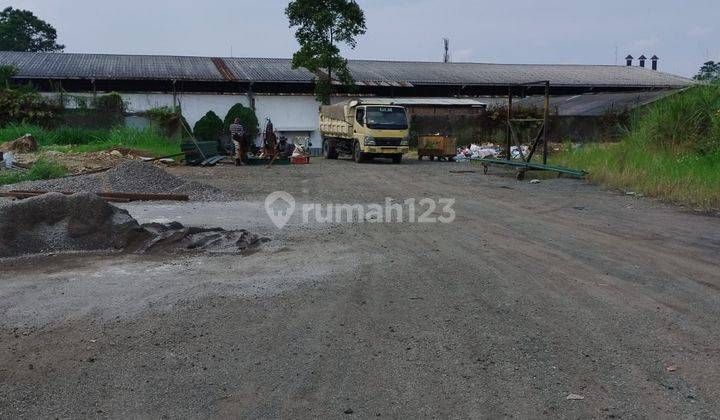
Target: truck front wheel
329, 150
358, 154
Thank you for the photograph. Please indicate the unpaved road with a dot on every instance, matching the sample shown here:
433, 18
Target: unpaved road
535, 292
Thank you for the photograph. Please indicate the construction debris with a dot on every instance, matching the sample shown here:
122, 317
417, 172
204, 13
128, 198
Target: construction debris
57, 223
174, 237
81, 162
476, 151
25, 144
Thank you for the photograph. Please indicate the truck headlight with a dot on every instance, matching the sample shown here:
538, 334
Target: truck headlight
369, 141
405, 141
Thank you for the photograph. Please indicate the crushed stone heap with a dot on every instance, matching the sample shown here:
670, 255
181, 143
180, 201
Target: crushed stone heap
129, 177
57, 223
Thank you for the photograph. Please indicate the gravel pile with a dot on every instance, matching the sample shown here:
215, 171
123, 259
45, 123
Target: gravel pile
128, 177
57, 223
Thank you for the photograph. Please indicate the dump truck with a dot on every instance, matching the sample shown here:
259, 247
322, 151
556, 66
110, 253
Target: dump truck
364, 130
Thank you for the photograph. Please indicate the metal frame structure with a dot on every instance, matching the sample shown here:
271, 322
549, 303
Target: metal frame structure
542, 132
525, 163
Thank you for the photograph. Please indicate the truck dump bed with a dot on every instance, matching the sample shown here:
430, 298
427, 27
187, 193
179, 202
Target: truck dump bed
333, 122
336, 111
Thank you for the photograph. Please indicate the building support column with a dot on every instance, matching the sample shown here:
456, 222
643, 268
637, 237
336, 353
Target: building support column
251, 97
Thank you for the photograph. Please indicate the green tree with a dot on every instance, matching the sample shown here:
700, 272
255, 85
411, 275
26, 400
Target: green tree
709, 72
248, 119
321, 24
209, 127
21, 30
7, 72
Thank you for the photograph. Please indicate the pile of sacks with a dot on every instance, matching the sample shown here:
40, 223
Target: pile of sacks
515, 152
299, 151
489, 150
478, 151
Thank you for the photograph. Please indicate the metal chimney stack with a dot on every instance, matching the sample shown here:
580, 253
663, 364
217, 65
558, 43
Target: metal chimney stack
642, 60
654, 60
629, 60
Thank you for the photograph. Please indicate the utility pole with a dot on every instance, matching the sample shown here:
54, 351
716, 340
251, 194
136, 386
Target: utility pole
446, 44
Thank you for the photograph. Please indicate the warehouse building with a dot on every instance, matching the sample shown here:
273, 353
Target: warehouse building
277, 91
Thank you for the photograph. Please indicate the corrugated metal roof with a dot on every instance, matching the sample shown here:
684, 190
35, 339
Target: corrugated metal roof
102, 66
267, 70
427, 101
370, 73
427, 73
150, 67
586, 105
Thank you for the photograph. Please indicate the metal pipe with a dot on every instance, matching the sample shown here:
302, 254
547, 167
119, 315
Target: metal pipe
110, 196
545, 123
509, 121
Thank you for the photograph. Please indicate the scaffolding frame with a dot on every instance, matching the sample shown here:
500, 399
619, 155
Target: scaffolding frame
542, 132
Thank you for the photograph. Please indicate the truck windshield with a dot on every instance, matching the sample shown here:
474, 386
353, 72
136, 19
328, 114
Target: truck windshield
386, 118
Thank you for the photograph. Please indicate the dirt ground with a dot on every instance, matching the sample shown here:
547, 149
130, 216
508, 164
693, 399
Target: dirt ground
533, 293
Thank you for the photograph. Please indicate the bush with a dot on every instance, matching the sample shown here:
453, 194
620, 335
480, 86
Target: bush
24, 107
248, 119
209, 127
112, 102
42, 169
168, 119
22, 104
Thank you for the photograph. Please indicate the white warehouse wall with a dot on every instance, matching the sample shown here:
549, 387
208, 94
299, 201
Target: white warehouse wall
139, 102
292, 116
292, 113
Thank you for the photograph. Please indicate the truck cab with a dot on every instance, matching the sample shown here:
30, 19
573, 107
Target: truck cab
371, 130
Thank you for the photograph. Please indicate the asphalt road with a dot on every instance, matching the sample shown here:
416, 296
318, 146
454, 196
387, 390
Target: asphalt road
534, 292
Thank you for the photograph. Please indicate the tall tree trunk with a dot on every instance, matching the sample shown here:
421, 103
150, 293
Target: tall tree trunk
329, 68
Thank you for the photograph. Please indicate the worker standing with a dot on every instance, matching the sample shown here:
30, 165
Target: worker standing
237, 133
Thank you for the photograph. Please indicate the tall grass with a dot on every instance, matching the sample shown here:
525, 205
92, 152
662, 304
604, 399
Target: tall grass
687, 122
68, 139
671, 151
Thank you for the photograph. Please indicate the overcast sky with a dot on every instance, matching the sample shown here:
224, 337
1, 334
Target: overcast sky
684, 34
